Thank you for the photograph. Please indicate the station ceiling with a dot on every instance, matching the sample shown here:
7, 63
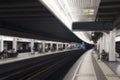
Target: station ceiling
109, 10
31, 17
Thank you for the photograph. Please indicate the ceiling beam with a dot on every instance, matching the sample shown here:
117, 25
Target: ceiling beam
20, 5
107, 13
110, 6
109, 3
23, 10
109, 0
28, 19
25, 16
109, 10
106, 16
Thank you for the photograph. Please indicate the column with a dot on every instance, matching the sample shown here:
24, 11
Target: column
66, 47
32, 45
112, 54
51, 46
107, 42
100, 50
100, 44
62, 45
1, 44
15, 43
43, 44
57, 47
103, 41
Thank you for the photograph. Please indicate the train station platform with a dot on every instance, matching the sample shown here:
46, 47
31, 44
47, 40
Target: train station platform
88, 67
28, 55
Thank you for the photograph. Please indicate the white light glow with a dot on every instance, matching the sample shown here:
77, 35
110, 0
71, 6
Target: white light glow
83, 37
88, 10
59, 11
90, 13
117, 39
7, 38
69, 11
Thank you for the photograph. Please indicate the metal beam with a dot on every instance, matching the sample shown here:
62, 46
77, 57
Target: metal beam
109, 0
110, 3
110, 6
108, 10
23, 10
107, 13
25, 15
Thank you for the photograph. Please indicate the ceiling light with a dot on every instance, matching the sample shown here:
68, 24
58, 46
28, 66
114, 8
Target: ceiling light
90, 13
91, 10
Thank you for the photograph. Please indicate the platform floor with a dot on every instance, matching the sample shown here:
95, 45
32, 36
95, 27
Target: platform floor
88, 67
115, 66
23, 56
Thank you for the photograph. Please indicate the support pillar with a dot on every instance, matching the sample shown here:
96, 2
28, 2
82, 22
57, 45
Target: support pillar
62, 45
112, 54
15, 43
98, 45
57, 47
66, 47
107, 43
1, 44
103, 42
51, 46
43, 44
32, 46
101, 45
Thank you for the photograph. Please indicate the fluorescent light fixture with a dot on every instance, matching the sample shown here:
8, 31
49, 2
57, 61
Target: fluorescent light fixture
88, 12
91, 10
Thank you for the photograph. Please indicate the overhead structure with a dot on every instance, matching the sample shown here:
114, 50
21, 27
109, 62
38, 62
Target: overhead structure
38, 17
109, 10
30, 18
69, 11
92, 26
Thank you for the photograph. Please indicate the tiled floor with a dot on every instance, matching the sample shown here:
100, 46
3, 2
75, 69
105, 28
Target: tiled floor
89, 68
86, 71
109, 74
115, 66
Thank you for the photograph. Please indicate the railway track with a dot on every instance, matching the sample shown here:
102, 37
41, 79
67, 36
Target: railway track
49, 67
